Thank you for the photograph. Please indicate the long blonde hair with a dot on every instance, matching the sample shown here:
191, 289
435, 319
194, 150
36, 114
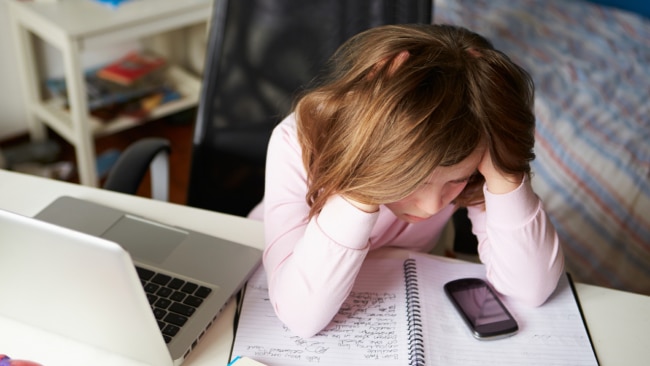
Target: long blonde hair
375, 132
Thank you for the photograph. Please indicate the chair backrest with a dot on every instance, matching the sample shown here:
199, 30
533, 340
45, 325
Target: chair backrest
261, 53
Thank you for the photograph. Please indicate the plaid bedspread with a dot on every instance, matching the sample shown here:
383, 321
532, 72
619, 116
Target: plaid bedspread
591, 67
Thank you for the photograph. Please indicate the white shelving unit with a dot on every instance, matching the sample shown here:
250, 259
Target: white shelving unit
74, 25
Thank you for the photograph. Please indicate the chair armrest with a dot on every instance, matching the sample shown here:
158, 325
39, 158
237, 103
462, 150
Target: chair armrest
129, 170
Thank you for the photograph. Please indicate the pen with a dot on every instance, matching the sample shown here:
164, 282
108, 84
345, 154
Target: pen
244, 361
230, 364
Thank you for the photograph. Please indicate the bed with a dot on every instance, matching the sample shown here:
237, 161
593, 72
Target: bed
591, 67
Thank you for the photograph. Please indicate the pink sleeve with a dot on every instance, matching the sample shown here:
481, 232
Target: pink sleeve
518, 244
311, 265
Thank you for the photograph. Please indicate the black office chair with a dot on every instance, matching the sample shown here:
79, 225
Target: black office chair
261, 53
146, 155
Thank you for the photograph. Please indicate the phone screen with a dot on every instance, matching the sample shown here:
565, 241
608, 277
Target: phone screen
480, 308
480, 305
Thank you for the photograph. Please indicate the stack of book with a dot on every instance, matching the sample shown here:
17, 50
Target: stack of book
132, 85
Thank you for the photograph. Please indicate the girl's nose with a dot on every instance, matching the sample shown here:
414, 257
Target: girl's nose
430, 203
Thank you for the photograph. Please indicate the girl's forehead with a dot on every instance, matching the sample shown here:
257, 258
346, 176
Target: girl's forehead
462, 170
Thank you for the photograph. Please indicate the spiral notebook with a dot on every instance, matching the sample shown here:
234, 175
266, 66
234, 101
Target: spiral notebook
397, 314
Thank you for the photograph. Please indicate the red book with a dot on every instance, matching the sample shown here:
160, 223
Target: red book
131, 68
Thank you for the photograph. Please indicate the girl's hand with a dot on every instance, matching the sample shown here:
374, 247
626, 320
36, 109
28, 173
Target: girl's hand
497, 181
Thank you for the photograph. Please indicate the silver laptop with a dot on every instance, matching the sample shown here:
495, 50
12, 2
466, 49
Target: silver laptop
150, 297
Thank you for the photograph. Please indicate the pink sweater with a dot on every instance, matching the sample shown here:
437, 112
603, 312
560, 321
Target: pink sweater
312, 264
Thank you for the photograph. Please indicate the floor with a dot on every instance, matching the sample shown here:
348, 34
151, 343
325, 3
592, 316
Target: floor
176, 128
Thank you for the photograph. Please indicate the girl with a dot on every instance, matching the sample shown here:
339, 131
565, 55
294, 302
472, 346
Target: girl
412, 122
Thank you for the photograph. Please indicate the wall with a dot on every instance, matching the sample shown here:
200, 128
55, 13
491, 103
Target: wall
12, 112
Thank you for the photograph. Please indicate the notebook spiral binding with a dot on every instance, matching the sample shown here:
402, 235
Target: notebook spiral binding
416, 340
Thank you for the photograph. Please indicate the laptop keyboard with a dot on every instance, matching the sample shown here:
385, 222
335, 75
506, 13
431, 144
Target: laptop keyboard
173, 300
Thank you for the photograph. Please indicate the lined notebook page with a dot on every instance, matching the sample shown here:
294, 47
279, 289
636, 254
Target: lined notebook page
552, 334
370, 328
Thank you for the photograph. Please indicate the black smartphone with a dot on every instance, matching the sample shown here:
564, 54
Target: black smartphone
481, 309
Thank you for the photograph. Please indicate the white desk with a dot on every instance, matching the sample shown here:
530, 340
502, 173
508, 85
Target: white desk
618, 321
72, 26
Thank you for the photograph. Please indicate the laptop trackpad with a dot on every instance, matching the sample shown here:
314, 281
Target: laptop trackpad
145, 240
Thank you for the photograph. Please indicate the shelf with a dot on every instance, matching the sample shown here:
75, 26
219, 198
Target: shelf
73, 26
184, 83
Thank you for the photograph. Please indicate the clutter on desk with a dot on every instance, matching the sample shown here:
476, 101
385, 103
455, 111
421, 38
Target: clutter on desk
42, 158
105, 162
38, 158
132, 85
133, 68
